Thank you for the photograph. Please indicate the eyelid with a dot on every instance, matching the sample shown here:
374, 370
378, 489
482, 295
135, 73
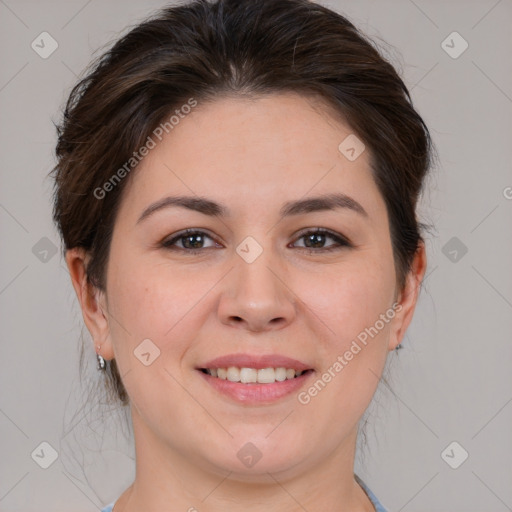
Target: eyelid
166, 242
325, 231
341, 240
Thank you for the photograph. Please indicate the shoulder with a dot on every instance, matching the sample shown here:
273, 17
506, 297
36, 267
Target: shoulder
376, 503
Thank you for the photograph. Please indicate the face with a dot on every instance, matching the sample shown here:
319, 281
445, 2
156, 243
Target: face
252, 283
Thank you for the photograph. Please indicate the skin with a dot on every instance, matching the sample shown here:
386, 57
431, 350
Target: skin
251, 155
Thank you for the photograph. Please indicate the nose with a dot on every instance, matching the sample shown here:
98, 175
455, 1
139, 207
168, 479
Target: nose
256, 296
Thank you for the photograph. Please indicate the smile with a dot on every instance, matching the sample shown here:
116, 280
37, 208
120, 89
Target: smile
254, 375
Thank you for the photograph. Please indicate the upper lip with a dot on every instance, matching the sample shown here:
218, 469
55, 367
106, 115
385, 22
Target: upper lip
256, 361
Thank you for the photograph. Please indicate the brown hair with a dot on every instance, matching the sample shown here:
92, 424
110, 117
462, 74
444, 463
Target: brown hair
201, 50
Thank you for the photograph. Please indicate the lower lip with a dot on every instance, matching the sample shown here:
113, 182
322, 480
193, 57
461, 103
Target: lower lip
255, 393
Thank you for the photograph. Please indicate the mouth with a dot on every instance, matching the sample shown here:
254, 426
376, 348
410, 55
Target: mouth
254, 375
255, 379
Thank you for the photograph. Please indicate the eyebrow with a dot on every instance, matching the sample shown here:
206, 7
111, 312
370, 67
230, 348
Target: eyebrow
208, 207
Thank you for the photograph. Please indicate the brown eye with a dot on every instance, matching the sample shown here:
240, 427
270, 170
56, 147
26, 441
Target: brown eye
314, 240
190, 240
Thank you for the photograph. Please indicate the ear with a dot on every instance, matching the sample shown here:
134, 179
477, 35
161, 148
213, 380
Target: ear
408, 297
92, 301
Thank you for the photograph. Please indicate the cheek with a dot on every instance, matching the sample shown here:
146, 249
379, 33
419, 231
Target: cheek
354, 348
349, 298
148, 304
156, 302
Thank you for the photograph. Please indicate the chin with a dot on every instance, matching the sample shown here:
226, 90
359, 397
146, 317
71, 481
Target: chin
252, 461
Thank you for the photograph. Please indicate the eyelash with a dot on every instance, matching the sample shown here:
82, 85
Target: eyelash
340, 240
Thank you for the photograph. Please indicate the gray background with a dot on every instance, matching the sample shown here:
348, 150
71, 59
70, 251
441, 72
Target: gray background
451, 382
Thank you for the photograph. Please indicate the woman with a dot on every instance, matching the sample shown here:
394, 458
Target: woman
236, 189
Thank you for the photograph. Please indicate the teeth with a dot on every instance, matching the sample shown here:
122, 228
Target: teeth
246, 375
252, 375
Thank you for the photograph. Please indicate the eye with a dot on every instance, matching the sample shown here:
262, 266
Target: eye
190, 239
315, 239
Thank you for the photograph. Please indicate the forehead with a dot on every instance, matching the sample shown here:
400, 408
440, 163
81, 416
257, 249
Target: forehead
256, 148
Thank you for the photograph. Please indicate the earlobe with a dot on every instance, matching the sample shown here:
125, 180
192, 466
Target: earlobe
92, 301
408, 297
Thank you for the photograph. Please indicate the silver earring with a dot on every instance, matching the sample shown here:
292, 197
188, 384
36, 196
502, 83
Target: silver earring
399, 346
101, 362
